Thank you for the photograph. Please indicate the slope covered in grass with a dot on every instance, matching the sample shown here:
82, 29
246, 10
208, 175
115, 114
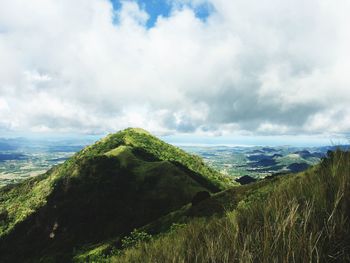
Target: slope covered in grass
139, 138
215, 205
122, 182
296, 218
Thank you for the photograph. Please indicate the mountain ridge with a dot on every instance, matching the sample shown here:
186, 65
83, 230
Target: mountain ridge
123, 181
132, 198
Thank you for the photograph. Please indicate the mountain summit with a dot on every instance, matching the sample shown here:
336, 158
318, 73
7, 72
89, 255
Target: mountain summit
122, 182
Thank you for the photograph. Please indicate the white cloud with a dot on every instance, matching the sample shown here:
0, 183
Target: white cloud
272, 67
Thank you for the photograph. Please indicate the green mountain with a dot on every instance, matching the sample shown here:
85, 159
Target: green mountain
133, 198
122, 182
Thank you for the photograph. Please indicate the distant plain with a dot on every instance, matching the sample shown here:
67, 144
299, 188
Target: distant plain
21, 158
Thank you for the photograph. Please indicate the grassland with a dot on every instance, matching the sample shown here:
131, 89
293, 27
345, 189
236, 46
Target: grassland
297, 218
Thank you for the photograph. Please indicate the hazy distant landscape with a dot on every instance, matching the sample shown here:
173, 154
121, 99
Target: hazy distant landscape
180, 131
22, 158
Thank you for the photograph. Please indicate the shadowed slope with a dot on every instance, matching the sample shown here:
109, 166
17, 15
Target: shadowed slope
124, 181
293, 218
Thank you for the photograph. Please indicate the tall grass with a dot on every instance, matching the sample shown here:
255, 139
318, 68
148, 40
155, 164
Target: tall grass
303, 218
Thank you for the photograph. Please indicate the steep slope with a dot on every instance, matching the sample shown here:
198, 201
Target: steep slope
141, 139
293, 218
122, 182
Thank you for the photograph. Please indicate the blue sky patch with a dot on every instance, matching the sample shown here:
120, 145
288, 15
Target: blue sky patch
163, 8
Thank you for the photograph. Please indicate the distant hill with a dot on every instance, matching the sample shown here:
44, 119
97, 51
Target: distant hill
297, 167
122, 182
246, 179
6, 146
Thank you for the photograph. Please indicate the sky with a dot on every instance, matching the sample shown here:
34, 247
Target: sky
216, 68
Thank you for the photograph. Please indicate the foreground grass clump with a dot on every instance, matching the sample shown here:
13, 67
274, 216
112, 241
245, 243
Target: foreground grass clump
302, 218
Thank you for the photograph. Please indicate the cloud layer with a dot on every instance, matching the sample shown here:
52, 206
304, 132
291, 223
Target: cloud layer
251, 67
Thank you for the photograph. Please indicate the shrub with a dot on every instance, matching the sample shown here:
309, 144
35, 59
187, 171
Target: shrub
136, 237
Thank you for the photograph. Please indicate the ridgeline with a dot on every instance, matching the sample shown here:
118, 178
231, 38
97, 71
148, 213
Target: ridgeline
132, 198
122, 182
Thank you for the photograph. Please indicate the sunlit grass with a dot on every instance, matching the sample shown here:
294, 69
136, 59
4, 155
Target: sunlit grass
303, 218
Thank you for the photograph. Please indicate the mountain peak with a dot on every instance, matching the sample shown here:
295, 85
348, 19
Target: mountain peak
136, 130
143, 141
121, 182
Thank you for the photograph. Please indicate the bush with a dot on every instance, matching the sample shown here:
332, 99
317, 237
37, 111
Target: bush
136, 237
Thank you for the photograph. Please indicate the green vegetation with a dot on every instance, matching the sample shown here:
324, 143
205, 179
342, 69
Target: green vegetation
133, 198
141, 139
297, 218
122, 182
136, 237
19, 201
97, 253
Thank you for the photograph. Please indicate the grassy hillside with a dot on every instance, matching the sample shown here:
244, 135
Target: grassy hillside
139, 138
215, 205
296, 218
122, 182
133, 198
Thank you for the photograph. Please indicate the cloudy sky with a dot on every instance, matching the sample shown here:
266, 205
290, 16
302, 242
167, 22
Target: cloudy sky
200, 67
